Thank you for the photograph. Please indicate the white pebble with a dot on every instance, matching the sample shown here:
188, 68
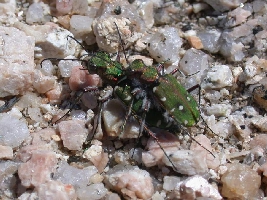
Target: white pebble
74, 176
210, 40
17, 64
35, 14
170, 182
165, 45
187, 162
73, 133
94, 191
219, 110
47, 68
81, 26
218, 76
65, 66
196, 187
193, 61
54, 190
123, 179
13, 131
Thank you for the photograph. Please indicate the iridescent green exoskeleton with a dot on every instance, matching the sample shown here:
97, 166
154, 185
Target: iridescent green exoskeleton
146, 74
177, 102
110, 71
168, 93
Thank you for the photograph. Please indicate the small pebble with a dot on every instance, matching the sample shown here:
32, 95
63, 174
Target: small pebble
38, 169
6, 152
240, 181
78, 178
13, 131
73, 133
130, 181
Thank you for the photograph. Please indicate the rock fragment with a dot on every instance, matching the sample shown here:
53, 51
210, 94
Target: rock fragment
16, 61
7, 174
196, 187
189, 162
240, 181
54, 190
97, 156
13, 131
73, 133
224, 5
154, 155
165, 45
94, 191
130, 181
51, 40
38, 168
6, 152
113, 117
35, 14
78, 178
218, 76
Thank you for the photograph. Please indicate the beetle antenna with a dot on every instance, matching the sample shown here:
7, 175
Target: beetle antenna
122, 44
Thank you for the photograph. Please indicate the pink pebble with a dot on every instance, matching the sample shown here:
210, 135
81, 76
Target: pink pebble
57, 94
56, 190
154, 155
64, 6
38, 169
212, 162
73, 133
80, 79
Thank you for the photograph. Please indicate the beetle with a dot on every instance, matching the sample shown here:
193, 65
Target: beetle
152, 92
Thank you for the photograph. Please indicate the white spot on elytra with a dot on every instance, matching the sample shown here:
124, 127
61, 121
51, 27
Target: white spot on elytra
181, 107
128, 98
188, 98
185, 122
154, 89
163, 99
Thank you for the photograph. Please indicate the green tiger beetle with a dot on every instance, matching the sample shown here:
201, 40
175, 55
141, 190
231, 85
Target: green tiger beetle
173, 107
143, 84
167, 92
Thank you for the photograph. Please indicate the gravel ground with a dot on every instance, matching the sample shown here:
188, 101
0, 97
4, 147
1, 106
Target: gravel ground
219, 45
